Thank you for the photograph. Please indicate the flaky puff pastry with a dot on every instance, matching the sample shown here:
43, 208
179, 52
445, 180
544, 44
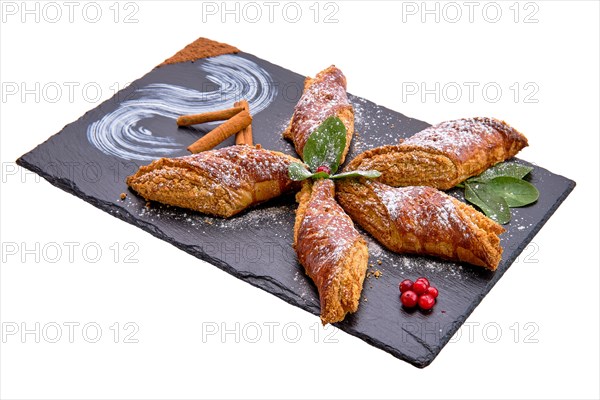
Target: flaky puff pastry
443, 155
324, 96
422, 220
333, 253
219, 182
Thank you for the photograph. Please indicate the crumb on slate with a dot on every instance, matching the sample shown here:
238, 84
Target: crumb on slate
123, 196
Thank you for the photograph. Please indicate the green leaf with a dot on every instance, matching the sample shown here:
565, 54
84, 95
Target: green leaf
356, 174
492, 205
516, 192
511, 169
325, 145
320, 175
298, 172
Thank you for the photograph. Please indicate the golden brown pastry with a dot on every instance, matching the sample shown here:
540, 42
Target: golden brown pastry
323, 97
443, 155
219, 182
333, 253
422, 220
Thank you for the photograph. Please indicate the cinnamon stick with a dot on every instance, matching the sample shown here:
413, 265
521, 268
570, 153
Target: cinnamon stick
222, 132
245, 135
220, 115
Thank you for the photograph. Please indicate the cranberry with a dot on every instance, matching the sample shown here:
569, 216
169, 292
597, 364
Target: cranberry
433, 292
405, 285
424, 280
324, 168
420, 287
409, 299
426, 302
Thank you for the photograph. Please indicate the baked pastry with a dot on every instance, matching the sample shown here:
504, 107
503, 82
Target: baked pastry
422, 220
443, 155
333, 253
219, 182
323, 97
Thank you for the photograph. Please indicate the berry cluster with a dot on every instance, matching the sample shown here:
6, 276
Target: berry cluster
419, 292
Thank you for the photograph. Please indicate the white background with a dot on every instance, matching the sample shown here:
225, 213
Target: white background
169, 294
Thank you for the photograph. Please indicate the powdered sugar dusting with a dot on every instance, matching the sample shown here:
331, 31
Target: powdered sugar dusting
375, 249
403, 265
370, 118
421, 210
224, 174
326, 233
323, 98
235, 165
395, 200
256, 218
450, 135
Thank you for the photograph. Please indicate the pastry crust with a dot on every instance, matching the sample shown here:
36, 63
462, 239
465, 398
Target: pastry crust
333, 253
324, 96
219, 182
443, 155
422, 220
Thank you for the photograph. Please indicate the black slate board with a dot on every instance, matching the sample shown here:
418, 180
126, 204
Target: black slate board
256, 245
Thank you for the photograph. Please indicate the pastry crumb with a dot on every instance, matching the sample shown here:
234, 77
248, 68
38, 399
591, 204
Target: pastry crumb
377, 273
379, 262
123, 196
148, 204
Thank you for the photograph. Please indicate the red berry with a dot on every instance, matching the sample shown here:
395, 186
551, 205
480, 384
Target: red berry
420, 287
433, 292
409, 299
405, 285
426, 302
424, 280
324, 168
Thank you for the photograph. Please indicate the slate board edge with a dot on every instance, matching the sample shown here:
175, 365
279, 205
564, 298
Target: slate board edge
273, 287
256, 281
500, 272
265, 283
269, 284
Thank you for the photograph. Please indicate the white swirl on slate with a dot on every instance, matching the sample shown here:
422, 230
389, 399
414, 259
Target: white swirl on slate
122, 133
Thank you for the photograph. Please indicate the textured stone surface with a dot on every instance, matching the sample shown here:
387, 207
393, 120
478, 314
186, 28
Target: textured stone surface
256, 246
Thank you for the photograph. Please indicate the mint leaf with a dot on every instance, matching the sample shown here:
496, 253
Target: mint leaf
511, 169
516, 192
500, 187
355, 174
298, 172
492, 205
325, 145
320, 175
